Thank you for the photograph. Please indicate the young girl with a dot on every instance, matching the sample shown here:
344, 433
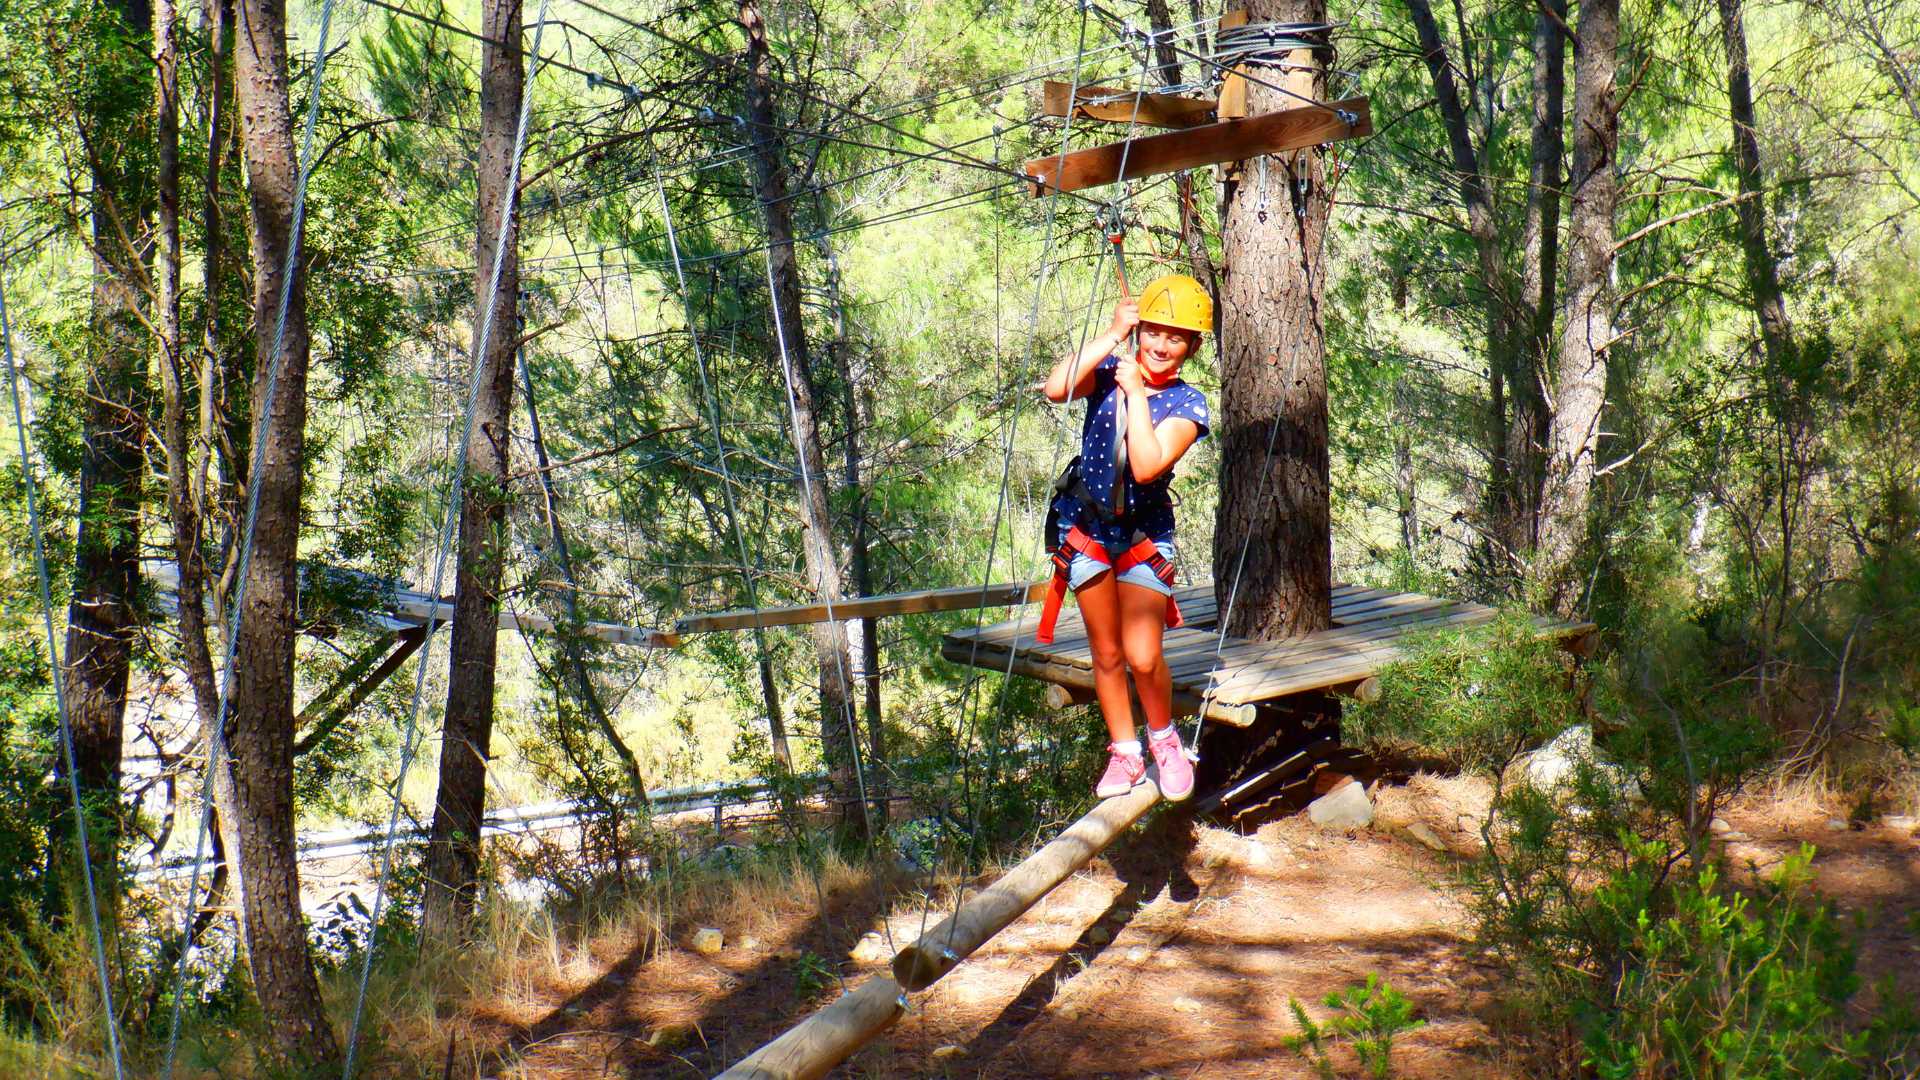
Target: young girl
1115, 517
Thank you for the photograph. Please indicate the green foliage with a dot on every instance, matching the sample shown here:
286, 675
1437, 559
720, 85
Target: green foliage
1368, 1017
1729, 985
1473, 697
812, 974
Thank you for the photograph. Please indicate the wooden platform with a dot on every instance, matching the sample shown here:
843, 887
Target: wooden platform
1370, 627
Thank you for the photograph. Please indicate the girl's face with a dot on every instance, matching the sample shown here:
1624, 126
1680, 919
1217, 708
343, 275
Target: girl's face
1162, 350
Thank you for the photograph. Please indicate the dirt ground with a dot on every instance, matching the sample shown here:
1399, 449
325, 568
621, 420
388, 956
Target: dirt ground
1174, 956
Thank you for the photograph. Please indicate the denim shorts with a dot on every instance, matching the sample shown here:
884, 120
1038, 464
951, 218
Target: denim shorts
1085, 568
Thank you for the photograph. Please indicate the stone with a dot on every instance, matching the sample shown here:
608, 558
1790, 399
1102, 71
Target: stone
1187, 1005
1345, 807
1419, 831
871, 949
1835, 824
949, 1052
1553, 766
750, 943
708, 941
1137, 954
1734, 836
1902, 822
1719, 826
1257, 854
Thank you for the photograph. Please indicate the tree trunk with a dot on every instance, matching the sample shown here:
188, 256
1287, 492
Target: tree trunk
1539, 263
1405, 482
106, 573
1273, 378
1505, 323
837, 721
1581, 387
260, 720
1763, 272
453, 851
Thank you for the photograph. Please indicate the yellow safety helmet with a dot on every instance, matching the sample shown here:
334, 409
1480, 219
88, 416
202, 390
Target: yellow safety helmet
1177, 300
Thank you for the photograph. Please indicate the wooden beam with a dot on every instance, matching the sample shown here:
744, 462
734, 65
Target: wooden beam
1078, 681
1228, 140
958, 598
813, 1047
327, 714
940, 949
1117, 105
1233, 85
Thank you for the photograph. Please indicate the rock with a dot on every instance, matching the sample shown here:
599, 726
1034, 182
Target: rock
1835, 824
1312, 844
1257, 854
1137, 954
1345, 807
871, 949
1554, 765
1719, 826
708, 941
1419, 831
949, 1052
750, 943
1187, 1005
1734, 836
1902, 822
1099, 935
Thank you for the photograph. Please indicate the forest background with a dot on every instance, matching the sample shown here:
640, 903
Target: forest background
1750, 545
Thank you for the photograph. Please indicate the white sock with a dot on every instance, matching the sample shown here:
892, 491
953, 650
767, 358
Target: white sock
1162, 734
1131, 748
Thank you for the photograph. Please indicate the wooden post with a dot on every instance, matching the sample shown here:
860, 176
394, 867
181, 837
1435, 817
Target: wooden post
921, 964
813, 1047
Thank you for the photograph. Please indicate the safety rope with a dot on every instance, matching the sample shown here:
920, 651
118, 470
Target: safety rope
111, 1016
449, 523
263, 425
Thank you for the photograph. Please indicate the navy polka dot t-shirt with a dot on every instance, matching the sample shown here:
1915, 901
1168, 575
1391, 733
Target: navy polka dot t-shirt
1150, 505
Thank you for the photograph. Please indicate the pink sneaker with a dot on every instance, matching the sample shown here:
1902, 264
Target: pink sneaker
1124, 773
1175, 771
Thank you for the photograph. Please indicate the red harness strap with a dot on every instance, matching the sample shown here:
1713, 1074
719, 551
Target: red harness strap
1079, 543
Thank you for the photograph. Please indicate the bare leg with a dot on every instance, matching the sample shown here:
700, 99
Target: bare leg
1099, 602
1143, 622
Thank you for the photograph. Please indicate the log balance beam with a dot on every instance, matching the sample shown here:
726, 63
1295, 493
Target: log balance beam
958, 598
821, 1041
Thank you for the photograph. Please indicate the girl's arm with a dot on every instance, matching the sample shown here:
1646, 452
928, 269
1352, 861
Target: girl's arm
1151, 450
1072, 375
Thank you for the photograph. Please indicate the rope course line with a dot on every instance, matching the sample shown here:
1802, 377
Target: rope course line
110, 1016
504, 235
216, 741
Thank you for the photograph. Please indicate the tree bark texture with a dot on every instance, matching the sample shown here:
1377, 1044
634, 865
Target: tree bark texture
1539, 263
260, 722
1763, 271
837, 721
101, 615
1581, 384
453, 851
1273, 368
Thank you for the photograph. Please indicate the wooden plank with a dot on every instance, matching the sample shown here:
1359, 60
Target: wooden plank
1117, 105
1228, 140
813, 1047
988, 658
958, 598
941, 949
1233, 85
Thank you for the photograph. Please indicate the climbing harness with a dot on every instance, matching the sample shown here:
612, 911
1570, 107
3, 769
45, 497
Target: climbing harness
1077, 542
